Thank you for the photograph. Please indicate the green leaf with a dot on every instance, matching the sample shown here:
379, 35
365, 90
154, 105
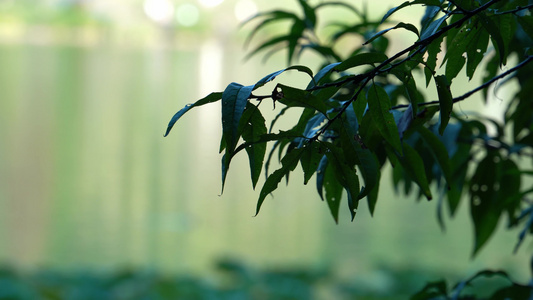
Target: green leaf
379, 108
296, 33
321, 175
346, 175
271, 17
213, 97
288, 163
439, 151
361, 59
321, 74
526, 22
404, 122
371, 172
432, 28
403, 25
409, 3
327, 52
333, 190
273, 75
431, 62
234, 100
495, 32
485, 208
476, 51
253, 130
309, 13
413, 165
272, 42
310, 159
294, 97
445, 101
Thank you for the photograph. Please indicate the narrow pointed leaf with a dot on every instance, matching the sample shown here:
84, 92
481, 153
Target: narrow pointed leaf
346, 175
310, 159
321, 74
320, 175
361, 59
333, 191
288, 163
407, 26
409, 3
213, 97
413, 165
273, 75
379, 108
445, 101
294, 97
253, 129
439, 151
271, 17
234, 101
485, 207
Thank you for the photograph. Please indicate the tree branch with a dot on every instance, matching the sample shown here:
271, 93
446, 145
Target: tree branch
479, 88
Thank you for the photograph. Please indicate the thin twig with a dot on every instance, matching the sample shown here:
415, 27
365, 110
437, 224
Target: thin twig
468, 94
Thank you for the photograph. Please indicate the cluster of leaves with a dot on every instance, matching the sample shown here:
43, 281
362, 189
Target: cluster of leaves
364, 109
463, 289
233, 280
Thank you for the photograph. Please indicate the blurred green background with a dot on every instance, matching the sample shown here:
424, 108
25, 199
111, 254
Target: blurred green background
87, 181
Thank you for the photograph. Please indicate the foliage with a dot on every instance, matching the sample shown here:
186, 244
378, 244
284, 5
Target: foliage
229, 280
365, 109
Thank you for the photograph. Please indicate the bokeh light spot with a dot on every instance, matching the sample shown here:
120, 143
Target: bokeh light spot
244, 9
159, 11
210, 3
187, 15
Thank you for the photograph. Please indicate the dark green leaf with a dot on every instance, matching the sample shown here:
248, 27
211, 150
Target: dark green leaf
445, 101
476, 52
272, 76
271, 17
413, 165
213, 97
496, 37
526, 22
272, 42
321, 175
296, 33
432, 28
346, 175
333, 190
253, 129
294, 97
310, 159
379, 108
405, 120
407, 26
288, 163
371, 175
343, 4
409, 3
309, 13
431, 62
327, 52
361, 59
321, 74
439, 151
484, 207
234, 101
